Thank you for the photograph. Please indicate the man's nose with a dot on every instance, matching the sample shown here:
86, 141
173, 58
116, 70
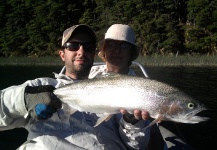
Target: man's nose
81, 49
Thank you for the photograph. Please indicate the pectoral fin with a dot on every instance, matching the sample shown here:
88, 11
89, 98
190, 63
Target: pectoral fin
103, 118
159, 118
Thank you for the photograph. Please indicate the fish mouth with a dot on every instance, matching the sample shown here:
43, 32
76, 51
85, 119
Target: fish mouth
195, 116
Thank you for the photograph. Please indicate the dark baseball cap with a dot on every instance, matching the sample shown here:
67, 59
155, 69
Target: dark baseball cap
68, 32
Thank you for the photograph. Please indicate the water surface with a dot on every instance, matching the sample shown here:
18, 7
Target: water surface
201, 83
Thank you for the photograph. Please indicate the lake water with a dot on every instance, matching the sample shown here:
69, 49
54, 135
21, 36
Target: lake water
200, 83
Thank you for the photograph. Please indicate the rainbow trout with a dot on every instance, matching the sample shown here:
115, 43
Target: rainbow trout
107, 95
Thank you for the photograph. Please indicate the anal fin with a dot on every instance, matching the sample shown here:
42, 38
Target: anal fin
159, 118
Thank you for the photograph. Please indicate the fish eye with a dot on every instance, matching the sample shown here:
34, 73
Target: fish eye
190, 105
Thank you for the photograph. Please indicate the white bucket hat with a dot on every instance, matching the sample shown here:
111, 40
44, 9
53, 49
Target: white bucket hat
121, 32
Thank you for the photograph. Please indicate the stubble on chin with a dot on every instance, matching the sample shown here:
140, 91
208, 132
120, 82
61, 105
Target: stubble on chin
81, 70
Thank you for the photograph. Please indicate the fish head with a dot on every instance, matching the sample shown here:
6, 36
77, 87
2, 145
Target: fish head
180, 107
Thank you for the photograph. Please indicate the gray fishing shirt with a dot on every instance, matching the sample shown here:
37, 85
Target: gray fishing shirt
63, 131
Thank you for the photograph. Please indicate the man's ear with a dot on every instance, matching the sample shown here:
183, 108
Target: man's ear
62, 54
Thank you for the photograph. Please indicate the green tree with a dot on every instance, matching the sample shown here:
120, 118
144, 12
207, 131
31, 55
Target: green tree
33, 28
201, 29
13, 32
51, 18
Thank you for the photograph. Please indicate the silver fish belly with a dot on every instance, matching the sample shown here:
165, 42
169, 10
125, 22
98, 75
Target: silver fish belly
110, 94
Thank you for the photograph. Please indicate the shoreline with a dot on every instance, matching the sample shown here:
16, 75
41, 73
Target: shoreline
152, 61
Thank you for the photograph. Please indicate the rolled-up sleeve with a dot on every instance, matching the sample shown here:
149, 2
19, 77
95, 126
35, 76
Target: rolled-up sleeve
12, 110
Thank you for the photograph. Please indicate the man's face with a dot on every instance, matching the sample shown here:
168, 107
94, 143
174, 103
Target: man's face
78, 55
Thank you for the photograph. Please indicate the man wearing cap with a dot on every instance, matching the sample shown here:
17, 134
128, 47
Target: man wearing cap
118, 49
33, 106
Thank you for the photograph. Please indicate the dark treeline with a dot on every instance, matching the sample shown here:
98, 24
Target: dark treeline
34, 27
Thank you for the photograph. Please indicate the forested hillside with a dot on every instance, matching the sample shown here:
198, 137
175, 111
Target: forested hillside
34, 27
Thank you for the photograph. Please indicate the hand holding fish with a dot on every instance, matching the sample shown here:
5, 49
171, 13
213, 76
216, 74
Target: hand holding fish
136, 116
40, 101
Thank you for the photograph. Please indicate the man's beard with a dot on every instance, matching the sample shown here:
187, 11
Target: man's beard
81, 71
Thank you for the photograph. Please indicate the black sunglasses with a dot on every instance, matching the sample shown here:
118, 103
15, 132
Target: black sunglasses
74, 46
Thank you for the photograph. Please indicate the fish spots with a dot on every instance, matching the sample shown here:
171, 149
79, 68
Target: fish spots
110, 94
